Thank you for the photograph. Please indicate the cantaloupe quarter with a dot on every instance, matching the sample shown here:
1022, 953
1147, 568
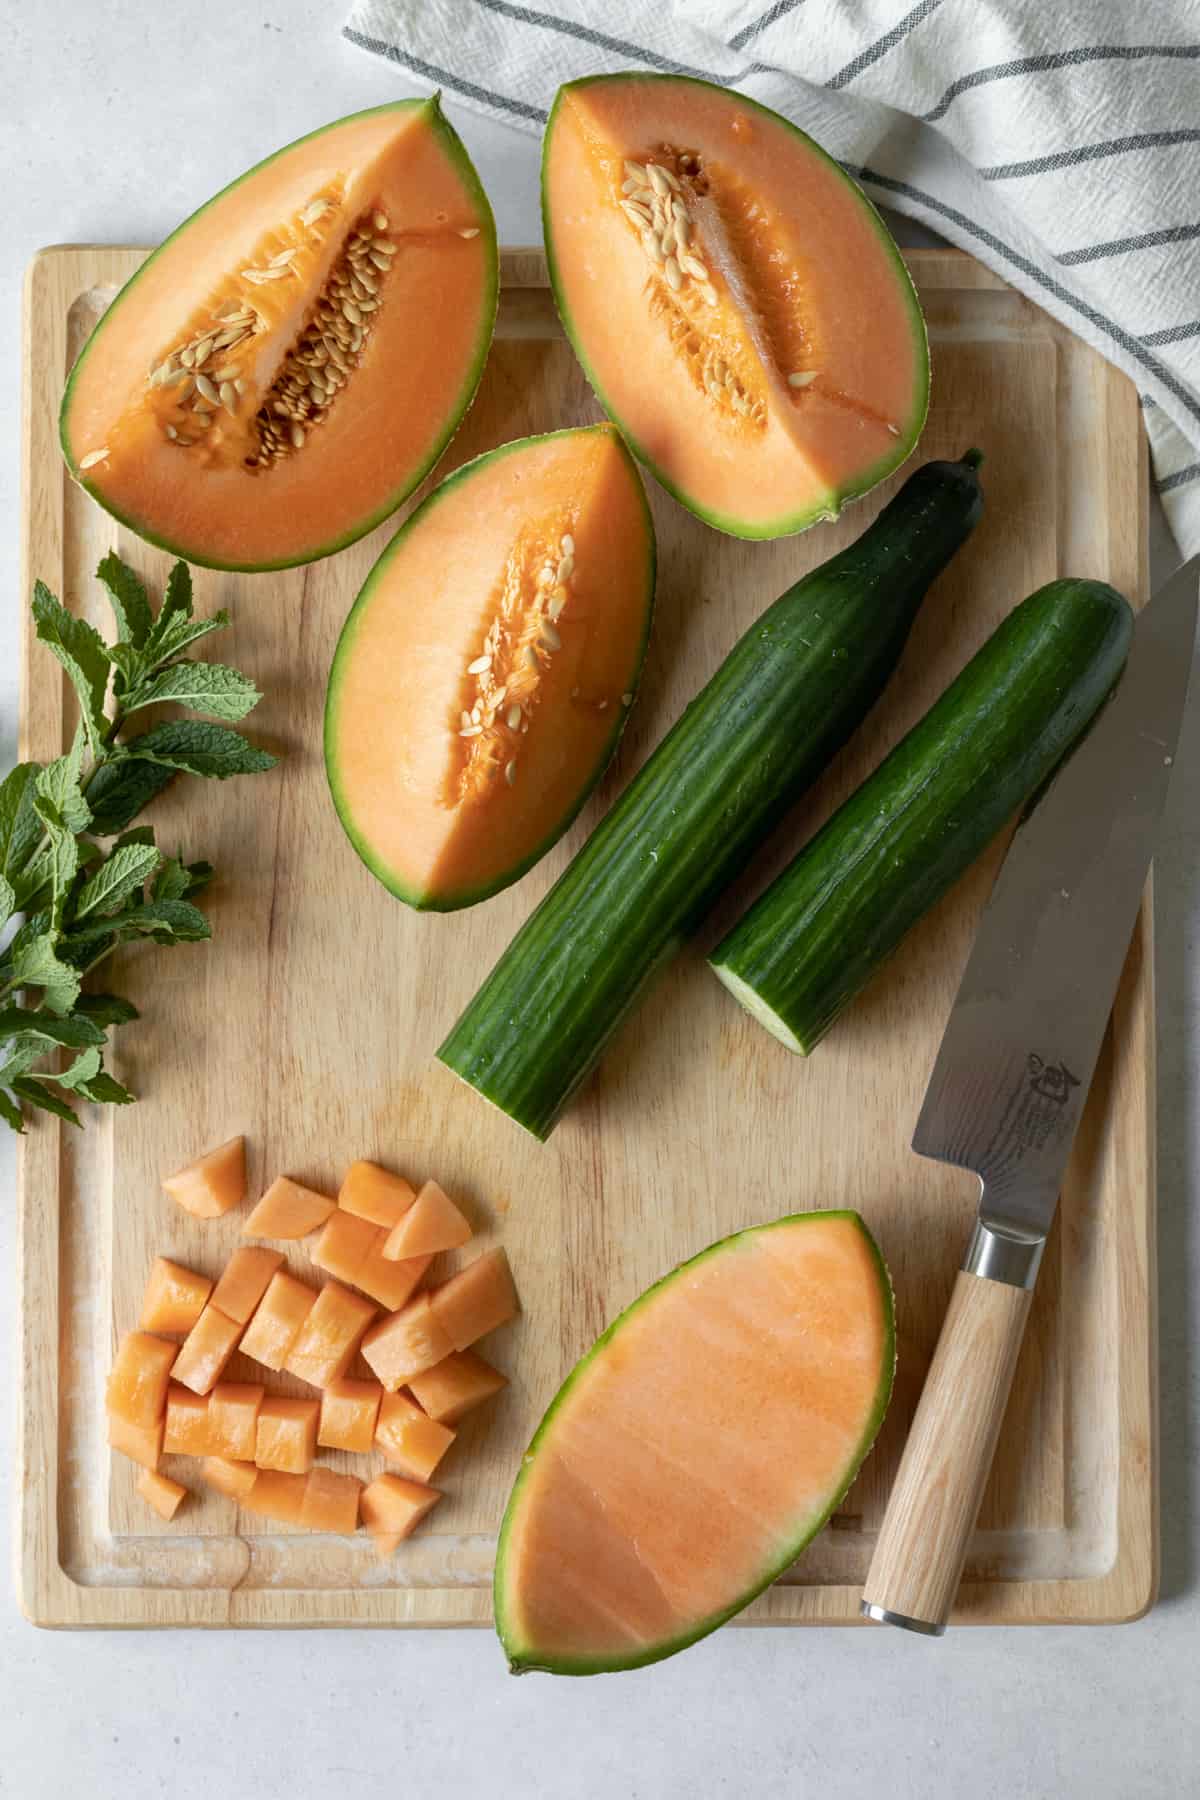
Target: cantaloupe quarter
392, 1284
484, 674
366, 251
174, 1296
276, 1324
330, 1501
433, 1223
214, 1183
186, 1431
137, 1383
391, 1508
232, 1478
286, 1433
410, 1440
233, 1419
277, 1494
768, 361
205, 1350
344, 1244
695, 1450
476, 1300
454, 1386
288, 1209
326, 1342
141, 1443
404, 1343
370, 1192
163, 1494
349, 1410
246, 1278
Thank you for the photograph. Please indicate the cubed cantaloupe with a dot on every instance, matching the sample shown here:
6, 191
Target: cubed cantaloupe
233, 1419
329, 1336
476, 1300
228, 1477
246, 1278
405, 1343
432, 1223
286, 1434
370, 1192
141, 1443
174, 1296
410, 1440
344, 1245
391, 1507
205, 1350
393, 1284
137, 1382
349, 1410
452, 1387
163, 1494
288, 1209
275, 1326
330, 1501
213, 1183
277, 1495
186, 1432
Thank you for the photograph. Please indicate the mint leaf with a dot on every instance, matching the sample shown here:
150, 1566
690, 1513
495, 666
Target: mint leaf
105, 1009
85, 1068
105, 1091
75, 1033
183, 631
176, 607
61, 864
172, 882
168, 918
200, 748
126, 869
39, 1095
10, 1112
127, 597
199, 876
205, 687
18, 1056
130, 666
20, 827
81, 651
58, 783
119, 790
35, 964
8, 901
141, 834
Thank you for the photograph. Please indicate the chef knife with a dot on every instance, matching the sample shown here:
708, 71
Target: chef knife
1010, 1083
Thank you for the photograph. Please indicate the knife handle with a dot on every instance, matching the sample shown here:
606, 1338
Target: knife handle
934, 1503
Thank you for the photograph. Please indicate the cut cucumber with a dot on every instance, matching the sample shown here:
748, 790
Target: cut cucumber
785, 699
819, 932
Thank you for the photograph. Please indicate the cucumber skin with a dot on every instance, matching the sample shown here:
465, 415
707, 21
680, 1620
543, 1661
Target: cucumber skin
813, 940
784, 700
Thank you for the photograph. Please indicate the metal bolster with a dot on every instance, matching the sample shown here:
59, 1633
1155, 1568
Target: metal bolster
997, 1254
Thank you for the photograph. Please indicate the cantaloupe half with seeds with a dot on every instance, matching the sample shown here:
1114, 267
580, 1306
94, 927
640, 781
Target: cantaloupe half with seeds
739, 305
288, 366
485, 672
696, 1449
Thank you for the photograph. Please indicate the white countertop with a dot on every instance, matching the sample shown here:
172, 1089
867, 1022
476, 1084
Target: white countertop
119, 119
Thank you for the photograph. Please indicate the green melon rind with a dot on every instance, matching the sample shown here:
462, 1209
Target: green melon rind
832, 504
524, 1658
454, 900
456, 152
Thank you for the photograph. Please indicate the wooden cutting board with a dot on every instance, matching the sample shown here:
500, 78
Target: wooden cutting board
310, 1023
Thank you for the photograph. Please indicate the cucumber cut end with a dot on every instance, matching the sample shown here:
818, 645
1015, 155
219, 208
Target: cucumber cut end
758, 1009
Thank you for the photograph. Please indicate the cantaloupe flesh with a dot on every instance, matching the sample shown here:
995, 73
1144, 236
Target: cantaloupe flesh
419, 363
288, 1209
400, 684
344, 1244
137, 1384
276, 1324
214, 1183
326, 1342
141, 1443
233, 1408
163, 1494
392, 1507
391, 1283
205, 1350
330, 1501
174, 1297
228, 1477
686, 1460
246, 1278
286, 1434
186, 1431
349, 1410
477, 1300
454, 1386
404, 1343
432, 1224
817, 264
278, 1495
410, 1440
370, 1192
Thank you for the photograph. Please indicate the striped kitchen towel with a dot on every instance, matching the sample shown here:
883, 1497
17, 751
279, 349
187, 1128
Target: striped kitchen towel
1058, 142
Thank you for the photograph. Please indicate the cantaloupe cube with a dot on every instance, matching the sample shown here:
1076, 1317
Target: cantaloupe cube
344, 1245
213, 1183
410, 1440
330, 1335
187, 1423
404, 1343
232, 1478
246, 1278
137, 1382
330, 1501
174, 1296
391, 1283
275, 1326
288, 1210
233, 1419
452, 1387
476, 1300
141, 1443
349, 1410
163, 1494
205, 1350
432, 1223
286, 1436
277, 1495
392, 1507
370, 1192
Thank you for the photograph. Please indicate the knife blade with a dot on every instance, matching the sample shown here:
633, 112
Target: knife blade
1011, 1080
